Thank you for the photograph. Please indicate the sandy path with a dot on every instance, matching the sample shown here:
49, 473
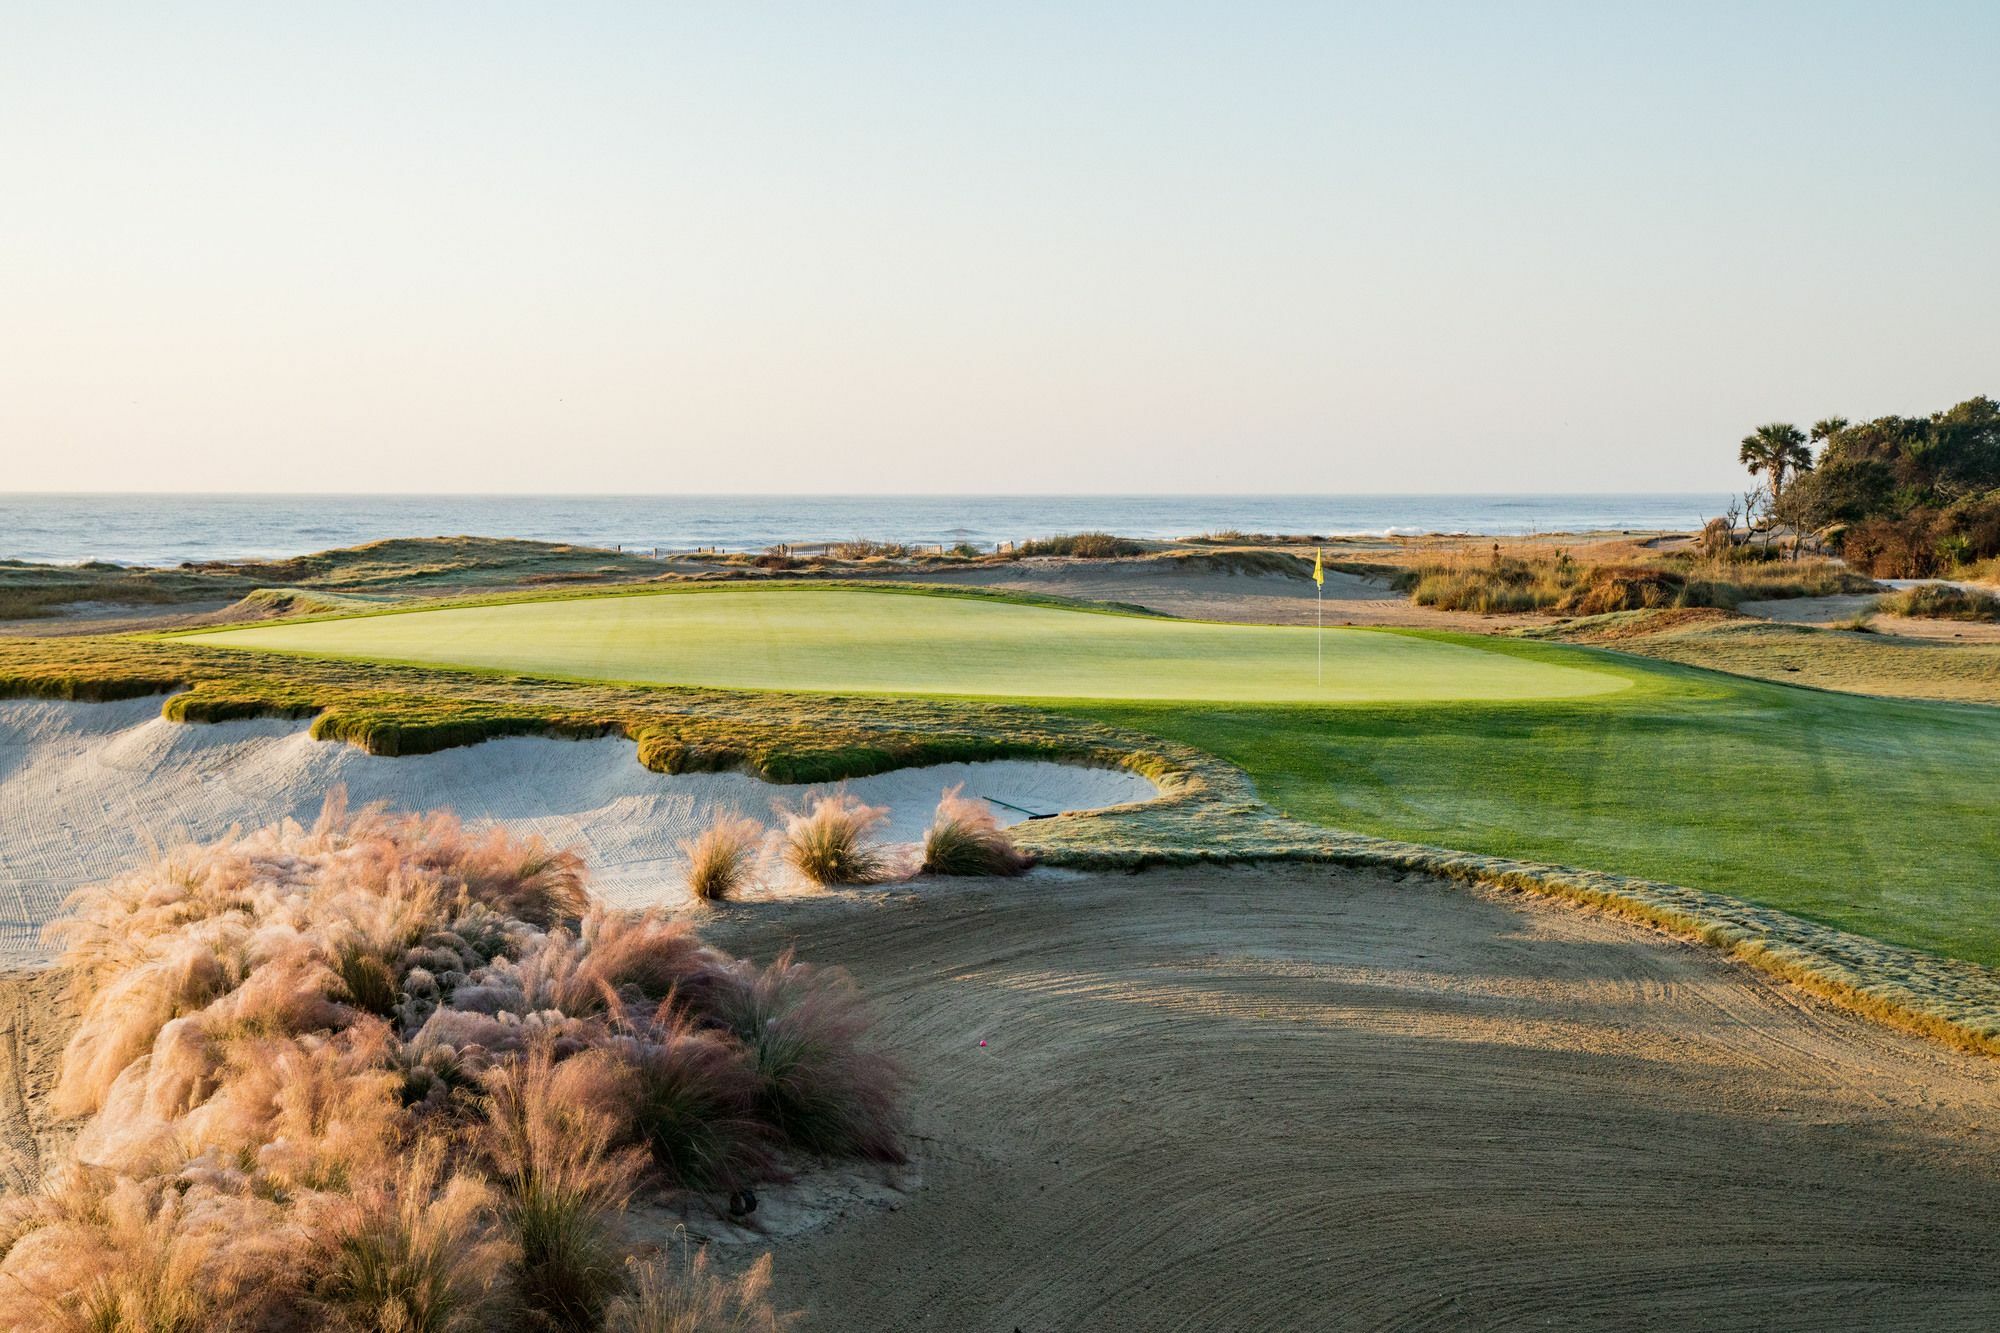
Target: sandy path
1256, 1099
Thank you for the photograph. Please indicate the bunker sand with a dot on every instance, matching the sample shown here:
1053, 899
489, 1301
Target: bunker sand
1317, 1098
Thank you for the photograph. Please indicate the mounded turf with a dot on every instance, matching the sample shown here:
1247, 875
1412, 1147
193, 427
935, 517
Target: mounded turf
851, 641
1878, 816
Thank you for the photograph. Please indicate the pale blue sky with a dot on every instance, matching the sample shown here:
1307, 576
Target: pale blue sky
861, 247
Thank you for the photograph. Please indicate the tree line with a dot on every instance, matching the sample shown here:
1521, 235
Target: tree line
1896, 497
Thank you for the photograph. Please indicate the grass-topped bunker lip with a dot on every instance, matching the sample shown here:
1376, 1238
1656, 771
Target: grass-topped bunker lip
857, 640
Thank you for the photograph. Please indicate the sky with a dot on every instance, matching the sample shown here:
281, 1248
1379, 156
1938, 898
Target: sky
943, 247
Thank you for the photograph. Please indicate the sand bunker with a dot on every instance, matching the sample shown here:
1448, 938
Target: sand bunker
87, 790
1315, 1098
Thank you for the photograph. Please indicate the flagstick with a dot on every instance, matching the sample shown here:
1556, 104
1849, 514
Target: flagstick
1319, 638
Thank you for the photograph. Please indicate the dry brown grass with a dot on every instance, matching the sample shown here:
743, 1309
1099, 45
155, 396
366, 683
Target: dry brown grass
689, 1297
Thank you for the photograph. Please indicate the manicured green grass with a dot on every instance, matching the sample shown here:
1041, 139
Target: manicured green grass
872, 641
1873, 815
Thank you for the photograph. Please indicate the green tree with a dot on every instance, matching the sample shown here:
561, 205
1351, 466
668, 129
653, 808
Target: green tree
1827, 427
1778, 450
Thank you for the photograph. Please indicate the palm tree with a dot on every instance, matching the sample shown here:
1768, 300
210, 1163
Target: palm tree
1827, 427
1778, 450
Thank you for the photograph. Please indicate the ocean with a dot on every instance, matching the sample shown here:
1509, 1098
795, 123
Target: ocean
170, 529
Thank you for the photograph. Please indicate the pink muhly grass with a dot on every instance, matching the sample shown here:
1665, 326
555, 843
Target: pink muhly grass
425, 1255
121, 1254
832, 841
391, 1072
821, 1087
722, 858
965, 838
694, 1105
551, 1138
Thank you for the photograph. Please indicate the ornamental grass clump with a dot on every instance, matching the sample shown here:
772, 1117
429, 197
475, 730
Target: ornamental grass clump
832, 841
965, 838
1942, 601
387, 1073
816, 1085
722, 858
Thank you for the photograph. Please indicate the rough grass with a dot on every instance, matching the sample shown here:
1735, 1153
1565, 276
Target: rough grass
1867, 814
1942, 601
1870, 663
1539, 579
1081, 546
688, 1296
403, 566
965, 839
264, 1152
392, 710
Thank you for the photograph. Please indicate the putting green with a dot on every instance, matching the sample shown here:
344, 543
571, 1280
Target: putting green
853, 641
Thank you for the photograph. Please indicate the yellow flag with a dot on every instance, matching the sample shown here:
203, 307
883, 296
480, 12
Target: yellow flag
1319, 568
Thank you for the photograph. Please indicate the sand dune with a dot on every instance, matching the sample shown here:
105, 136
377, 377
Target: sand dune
88, 790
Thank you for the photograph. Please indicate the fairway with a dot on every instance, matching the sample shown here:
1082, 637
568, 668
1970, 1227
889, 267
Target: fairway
850, 641
1874, 815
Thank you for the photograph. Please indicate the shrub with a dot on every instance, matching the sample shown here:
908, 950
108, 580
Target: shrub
832, 841
722, 859
966, 839
868, 550
1894, 548
695, 1300
1082, 546
1623, 588
1942, 601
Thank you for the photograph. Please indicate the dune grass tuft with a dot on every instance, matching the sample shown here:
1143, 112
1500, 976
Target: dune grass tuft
722, 858
689, 1297
966, 839
1942, 601
1536, 579
832, 841
694, 1107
